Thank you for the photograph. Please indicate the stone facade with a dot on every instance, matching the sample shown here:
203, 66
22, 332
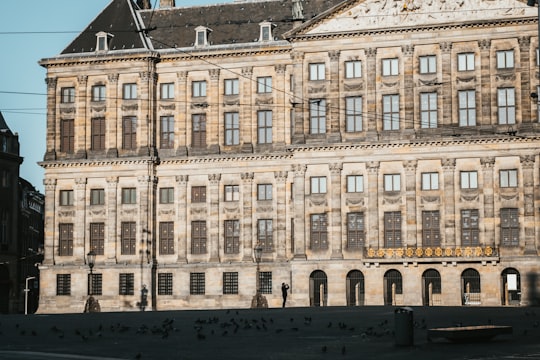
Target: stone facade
376, 162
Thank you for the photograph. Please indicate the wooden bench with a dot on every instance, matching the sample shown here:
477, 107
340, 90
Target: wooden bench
469, 333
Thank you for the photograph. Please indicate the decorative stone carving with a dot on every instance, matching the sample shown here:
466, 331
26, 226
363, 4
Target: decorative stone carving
484, 44
448, 164
299, 170
214, 74
334, 55
281, 176
182, 179
353, 86
445, 47
371, 52
214, 179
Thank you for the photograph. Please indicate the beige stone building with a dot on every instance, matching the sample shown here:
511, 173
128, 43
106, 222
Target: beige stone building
381, 153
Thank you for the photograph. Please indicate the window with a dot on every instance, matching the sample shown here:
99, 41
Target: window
392, 182
129, 91
126, 282
166, 195
392, 229
103, 39
97, 238
97, 197
129, 133
264, 127
196, 283
353, 113
230, 283
166, 135
68, 95
232, 129
467, 108
355, 230
67, 136
128, 238
505, 59
232, 236
98, 134
466, 62
198, 133
166, 238
319, 232
317, 116
428, 110
231, 86
167, 91
469, 180
232, 193
431, 230
198, 88
63, 284
469, 227
65, 240
265, 234
318, 185
165, 284
129, 196
353, 69
317, 71
198, 194
266, 31
264, 192
98, 93
201, 34
264, 84
390, 67
355, 183
506, 103
265, 282
66, 197
428, 64
508, 178
430, 181
95, 284
390, 112
509, 227
198, 237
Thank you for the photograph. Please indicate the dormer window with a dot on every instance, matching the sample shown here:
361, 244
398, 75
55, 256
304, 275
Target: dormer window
266, 31
103, 41
202, 33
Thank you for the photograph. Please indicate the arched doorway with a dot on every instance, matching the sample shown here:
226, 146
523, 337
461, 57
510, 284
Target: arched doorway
318, 288
470, 287
431, 284
4, 289
511, 287
355, 288
393, 288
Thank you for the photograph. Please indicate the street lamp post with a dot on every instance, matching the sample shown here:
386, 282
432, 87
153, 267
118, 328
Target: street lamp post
92, 305
26, 290
259, 301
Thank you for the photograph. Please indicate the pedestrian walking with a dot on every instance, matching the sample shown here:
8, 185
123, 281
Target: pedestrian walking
284, 289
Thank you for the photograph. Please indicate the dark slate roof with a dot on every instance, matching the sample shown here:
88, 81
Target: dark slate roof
3, 125
231, 23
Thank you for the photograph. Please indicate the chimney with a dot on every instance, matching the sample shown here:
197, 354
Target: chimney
166, 4
144, 4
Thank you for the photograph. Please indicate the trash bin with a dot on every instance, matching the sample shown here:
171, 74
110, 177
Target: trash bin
404, 327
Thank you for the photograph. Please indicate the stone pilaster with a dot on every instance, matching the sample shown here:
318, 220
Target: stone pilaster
336, 221
373, 204
213, 217
525, 59
281, 214
527, 165
112, 248
81, 244
484, 117
214, 118
181, 218
53, 140
299, 192
146, 135
410, 201
50, 227
245, 116
408, 83
371, 90
249, 239
449, 167
334, 98
183, 119
280, 123
144, 214
489, 200
446, 80
113, 138
81, 120
298, 136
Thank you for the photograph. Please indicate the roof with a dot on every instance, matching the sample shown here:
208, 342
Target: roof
3, 125
231, 23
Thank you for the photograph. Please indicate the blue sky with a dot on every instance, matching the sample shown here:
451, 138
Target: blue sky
29, 31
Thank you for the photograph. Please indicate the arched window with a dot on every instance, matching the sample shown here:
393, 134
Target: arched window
511, 287
431, 283
355, 288
318, 288
470, 287
393, 288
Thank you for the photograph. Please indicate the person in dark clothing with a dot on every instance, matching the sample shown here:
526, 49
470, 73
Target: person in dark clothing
284, 289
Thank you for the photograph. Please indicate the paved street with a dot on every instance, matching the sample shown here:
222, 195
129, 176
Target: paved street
296, 333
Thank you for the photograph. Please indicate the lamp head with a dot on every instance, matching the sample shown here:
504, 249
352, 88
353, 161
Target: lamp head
91, 259
257, 251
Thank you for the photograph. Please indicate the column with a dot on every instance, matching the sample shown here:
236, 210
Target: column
449, 166
144, 216
410, 201
146, 136
281, 214
53, 140
183, 119
525, 58
334, 98
50, 227
527, 164
298, 135
408, 84
114, 119
245, 116
111, 246
373, 204
336, 221
371, 90
214, 121
80, 122
80, 245
181, 218
489, 205
280, 125
485, 80
249, 239
446, 79
299, 192
213, 217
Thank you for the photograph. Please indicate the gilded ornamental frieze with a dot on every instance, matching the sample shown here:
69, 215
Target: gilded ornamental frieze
431, 252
